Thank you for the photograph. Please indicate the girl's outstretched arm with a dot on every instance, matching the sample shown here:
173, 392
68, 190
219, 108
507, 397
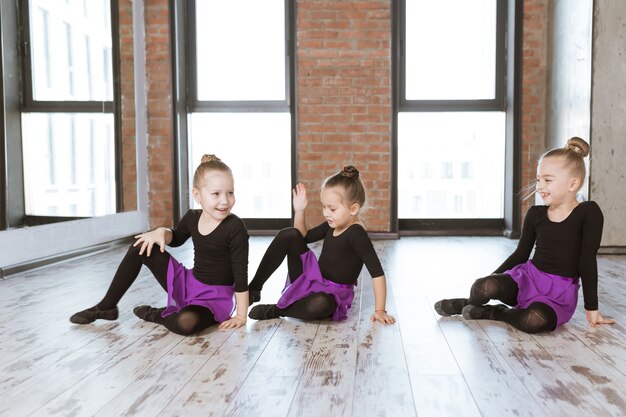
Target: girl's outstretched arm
379, 284
241, 298
300, 202
594, 318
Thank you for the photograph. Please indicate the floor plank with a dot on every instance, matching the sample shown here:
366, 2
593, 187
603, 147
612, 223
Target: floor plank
381, 368
211, 390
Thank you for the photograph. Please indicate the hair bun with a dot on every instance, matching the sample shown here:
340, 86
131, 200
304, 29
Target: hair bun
209, 158
349, 171
578, 145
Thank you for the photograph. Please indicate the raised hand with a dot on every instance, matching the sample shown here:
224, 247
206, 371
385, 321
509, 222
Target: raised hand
300, 200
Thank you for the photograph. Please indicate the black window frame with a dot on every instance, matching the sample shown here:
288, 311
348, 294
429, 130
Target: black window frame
498, 103
30, 105
507, 88
186, 101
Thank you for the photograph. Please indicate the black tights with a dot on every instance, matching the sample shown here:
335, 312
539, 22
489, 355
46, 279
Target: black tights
537, 317
189, 320
494, 287
316, 306
289, 243
128, 271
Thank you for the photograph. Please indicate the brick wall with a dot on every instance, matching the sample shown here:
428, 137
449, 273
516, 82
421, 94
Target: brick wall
127, 77
159, 103
343, 63
534, 90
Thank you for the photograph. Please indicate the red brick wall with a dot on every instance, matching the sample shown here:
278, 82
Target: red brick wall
343, 63
127, 77
159, 103
534, 90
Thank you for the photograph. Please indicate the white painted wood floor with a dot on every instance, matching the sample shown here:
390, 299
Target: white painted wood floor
424, 365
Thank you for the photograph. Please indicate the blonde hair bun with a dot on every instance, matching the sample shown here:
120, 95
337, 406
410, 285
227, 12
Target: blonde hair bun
209, 158
349, 171
578, 145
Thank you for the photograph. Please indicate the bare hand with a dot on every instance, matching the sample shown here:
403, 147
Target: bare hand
300, 200
233, 323
382, 317
149, 239
594, 318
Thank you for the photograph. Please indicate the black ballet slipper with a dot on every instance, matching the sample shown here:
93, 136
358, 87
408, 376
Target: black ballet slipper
94, 313
254, 296
449, 307
485, 312
148, 313
264, 312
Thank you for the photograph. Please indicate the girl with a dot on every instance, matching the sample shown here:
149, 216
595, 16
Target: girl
323, 290
566, 235
203, 296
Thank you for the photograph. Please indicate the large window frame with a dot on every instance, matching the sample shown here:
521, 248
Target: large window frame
186, 102
507, 86
30, 105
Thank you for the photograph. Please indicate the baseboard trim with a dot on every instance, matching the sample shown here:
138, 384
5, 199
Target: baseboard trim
384, 235
372, 235
612, 250
455, 232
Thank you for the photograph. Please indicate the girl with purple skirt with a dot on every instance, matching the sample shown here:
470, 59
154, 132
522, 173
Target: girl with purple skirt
218, 283
323, 289
565, 234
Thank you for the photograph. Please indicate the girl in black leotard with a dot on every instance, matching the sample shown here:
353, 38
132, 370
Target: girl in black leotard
566, 236
200, 297
325, 289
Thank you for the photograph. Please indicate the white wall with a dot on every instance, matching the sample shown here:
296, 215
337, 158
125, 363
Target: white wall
608, 118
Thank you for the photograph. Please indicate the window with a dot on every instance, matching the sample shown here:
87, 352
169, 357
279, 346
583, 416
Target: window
240, 101
68, 112
451, 103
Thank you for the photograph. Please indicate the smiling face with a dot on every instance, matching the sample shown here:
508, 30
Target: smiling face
338, 213
555, 183
216, 194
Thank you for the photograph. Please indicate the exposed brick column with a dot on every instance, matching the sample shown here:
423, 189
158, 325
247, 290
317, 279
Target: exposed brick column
159, 103
344, 99
127, 77
534, 90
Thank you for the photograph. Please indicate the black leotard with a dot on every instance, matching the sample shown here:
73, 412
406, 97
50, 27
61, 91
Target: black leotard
221, 257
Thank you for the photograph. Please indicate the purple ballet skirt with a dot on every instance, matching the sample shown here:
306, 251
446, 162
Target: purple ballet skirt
560, 293
184, 289
311, 281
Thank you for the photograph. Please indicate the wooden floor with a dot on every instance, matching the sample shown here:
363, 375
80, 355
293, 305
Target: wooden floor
424, 365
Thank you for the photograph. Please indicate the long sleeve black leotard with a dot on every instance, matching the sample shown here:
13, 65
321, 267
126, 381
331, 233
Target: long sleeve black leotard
343, 256
221, 257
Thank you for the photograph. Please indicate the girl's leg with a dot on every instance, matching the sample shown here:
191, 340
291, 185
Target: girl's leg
316, 306
125, 275
493, 287
537, 317
288, 242
189, 320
